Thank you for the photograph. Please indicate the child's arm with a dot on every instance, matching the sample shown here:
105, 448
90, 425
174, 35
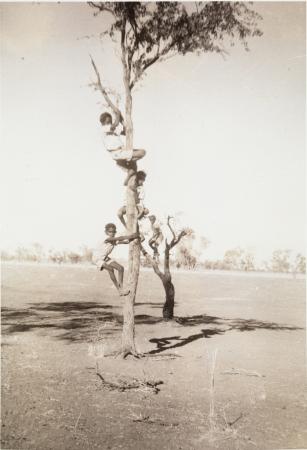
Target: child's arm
127, 239
140, 194
118, 128
122, 239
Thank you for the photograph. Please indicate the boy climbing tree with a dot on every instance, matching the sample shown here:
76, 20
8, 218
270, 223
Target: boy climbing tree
148, 33
101, 256
165, 274
156, 238
140, 195
115, 144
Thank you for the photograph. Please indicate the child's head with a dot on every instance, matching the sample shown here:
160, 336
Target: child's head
140, 177
152, 218
110, 229
105, 119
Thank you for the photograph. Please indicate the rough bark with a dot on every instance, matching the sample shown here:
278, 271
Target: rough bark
168, 307
128, 336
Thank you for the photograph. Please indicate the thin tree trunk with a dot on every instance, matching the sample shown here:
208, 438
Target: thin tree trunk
168, 308
128, 336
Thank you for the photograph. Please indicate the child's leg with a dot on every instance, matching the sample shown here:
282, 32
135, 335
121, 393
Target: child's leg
120, 270
151, 243
123, 164
126, 166
129, 167
138, 154
156, 249
125, 159
156, 257
140, 210
112, 274
121, 214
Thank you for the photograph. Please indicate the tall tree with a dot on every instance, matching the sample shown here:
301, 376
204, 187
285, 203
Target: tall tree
148, 33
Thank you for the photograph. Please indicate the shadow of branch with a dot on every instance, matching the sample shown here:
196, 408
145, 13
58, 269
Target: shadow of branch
78, 321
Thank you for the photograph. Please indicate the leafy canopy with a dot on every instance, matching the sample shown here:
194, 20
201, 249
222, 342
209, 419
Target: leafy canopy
153, 31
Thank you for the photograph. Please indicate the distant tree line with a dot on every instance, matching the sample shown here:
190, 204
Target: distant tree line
242, 260
184, 257
36, 253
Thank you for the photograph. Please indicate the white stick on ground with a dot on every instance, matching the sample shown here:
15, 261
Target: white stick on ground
212, 364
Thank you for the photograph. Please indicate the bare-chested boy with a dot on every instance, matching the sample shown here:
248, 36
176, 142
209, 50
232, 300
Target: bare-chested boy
140, 195
103, 261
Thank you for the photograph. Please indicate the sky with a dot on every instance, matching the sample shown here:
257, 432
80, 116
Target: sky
225, 138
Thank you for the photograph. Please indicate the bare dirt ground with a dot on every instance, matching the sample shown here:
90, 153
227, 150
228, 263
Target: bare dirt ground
232, 368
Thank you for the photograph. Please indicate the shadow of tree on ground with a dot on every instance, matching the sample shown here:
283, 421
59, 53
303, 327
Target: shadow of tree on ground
80, 321
75, 321
166, 343
222, 325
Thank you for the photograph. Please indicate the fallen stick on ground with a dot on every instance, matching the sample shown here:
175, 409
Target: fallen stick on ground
160, 422
163, 357
77, 421
235, 421
242, 372
124, 385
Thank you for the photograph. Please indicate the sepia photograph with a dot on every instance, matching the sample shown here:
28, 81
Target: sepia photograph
153, 253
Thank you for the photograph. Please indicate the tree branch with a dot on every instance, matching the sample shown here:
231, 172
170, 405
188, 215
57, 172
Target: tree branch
115, 109
101, 6
126, 67
123, 48
177, 239
170, 227
166, 261
151, 61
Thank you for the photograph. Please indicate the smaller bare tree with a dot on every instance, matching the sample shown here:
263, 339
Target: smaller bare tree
165, 274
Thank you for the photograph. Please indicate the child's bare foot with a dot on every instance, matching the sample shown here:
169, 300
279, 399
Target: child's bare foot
123, 292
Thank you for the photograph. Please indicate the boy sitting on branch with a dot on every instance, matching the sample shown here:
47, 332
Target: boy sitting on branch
115, 144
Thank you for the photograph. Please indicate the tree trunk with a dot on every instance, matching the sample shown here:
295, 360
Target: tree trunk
168, 308
128, 336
